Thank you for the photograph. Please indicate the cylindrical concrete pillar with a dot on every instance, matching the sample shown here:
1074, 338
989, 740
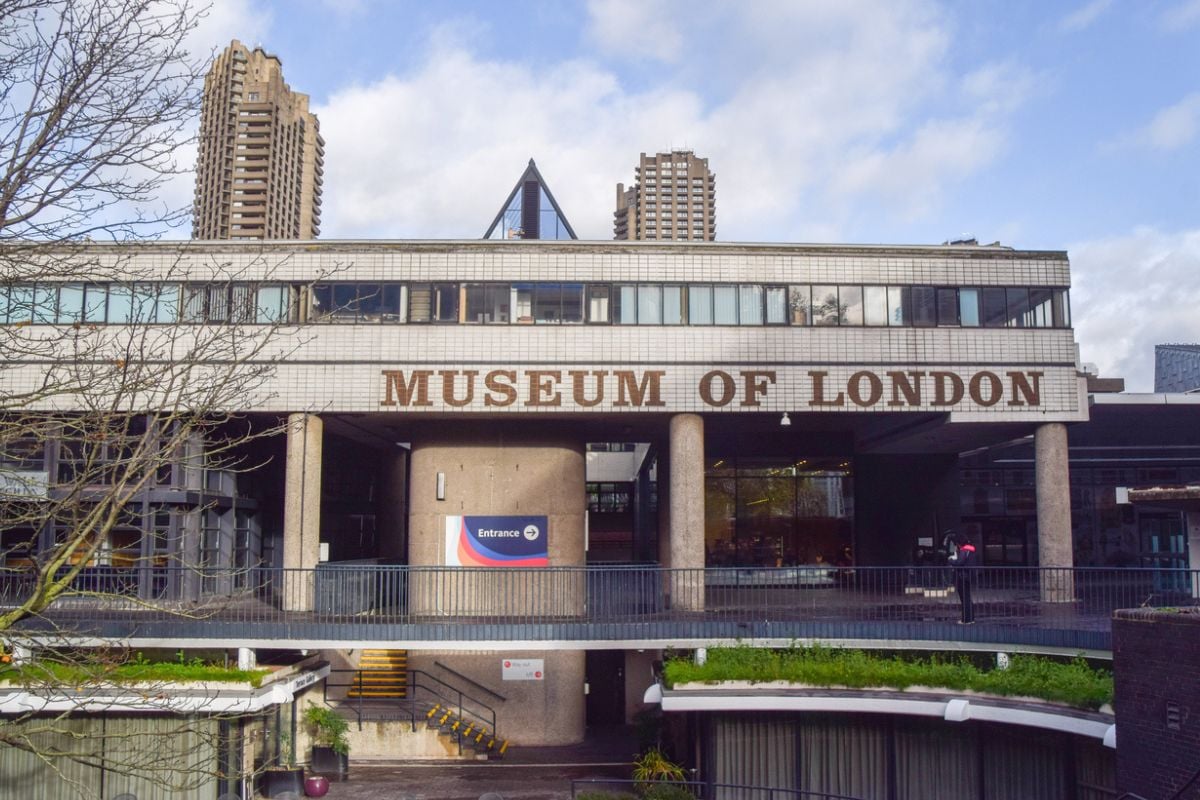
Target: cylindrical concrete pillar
301, 510
493, 469
664, 506
686, 544
1055, 548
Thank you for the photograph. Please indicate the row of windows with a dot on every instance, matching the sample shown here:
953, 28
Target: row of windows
542, 303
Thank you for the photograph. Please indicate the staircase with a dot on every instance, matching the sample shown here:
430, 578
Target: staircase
383, 675
468, 734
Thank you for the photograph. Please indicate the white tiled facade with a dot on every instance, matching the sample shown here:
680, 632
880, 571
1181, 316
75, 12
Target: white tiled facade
341, 367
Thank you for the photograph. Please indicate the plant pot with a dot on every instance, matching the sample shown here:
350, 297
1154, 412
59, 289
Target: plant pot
316, 786
277, 781
326, 761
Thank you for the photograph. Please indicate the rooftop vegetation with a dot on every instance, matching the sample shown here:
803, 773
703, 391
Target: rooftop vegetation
1073, 682
138, 670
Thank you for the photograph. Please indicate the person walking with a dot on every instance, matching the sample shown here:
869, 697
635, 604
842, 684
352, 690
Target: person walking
963, 559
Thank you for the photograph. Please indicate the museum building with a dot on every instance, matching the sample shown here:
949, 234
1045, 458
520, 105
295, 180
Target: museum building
453, 403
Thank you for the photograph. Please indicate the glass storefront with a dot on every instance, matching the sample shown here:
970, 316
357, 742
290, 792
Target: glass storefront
771, 512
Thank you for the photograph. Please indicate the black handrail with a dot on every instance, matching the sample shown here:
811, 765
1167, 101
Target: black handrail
474, 683
702, 789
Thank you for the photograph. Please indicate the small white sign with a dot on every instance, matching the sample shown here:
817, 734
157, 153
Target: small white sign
523, 669
924, 541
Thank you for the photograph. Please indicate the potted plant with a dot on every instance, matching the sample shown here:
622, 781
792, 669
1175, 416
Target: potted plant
331, 749
284, 776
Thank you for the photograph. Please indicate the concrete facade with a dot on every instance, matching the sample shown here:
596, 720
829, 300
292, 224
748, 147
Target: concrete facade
302, 507
1053, 487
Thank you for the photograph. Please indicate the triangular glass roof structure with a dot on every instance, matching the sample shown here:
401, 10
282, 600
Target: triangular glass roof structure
530, 212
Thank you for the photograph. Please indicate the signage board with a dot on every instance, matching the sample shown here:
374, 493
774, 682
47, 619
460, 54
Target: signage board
523, 669
506, 541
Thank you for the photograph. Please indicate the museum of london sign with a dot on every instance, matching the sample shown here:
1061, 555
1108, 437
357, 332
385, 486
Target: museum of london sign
716, 389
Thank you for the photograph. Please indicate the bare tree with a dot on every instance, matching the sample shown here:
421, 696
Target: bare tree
98, 99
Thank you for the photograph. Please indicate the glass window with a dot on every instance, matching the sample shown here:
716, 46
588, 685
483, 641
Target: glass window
167, 309
195, 296
777, 305
899, 305
45, 304
968, 308
800, 304
875, 305
825, 305
20, 303
673, 305
1018, 308
322, 303
947, 307
1040, 308
420, 298
218, 304
120, 304
626, 310
70, 303
547, 302
1062, 309
368, 302
750, 304
725, 305
271, 304
445, 302
244, 300
487, 302
395, 302
345, 302
649, 304
924, 306
521, 298
851, 300
995, 309
572, 302
700, 310
598, 303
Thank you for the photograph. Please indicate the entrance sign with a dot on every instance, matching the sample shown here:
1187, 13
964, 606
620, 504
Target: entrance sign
523, 669
497, 542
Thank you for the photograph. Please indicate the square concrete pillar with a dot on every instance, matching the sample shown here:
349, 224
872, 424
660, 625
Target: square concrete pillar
301, 511
686, 545
1056, 554
1191, 519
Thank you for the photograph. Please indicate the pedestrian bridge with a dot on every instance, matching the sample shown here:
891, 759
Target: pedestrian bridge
1016, 609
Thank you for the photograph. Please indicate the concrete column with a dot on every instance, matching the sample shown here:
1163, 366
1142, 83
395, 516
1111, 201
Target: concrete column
1055, 548
247, 659
687, 512
301, 510
664, 507
1192, 520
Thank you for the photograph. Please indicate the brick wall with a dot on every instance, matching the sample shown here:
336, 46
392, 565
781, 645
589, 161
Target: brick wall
1156, 662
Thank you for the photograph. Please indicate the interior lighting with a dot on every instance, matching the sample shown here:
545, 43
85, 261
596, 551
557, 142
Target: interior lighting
786, 420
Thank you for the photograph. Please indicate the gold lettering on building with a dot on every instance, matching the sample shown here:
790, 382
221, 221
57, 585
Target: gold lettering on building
1022, 387
631, 392
907, 384
940, 396
543, 387
874, 389
579, 395
994, 388
727, 388
500, 394
413, 392
448, 381
756, 382
818, 391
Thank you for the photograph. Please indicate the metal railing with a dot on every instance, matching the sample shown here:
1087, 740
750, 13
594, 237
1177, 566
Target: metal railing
700, 790
423, 690
1043, 606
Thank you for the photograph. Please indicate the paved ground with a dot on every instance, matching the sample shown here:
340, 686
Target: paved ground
454, 782
528, 773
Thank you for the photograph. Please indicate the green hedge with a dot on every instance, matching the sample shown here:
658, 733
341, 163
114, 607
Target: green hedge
1074, 682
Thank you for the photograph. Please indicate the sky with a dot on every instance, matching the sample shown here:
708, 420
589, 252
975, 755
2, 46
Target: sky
1041, 124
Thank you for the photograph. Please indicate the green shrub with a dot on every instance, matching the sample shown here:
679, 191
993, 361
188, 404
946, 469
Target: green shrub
1072, 682
328, 729
666, 791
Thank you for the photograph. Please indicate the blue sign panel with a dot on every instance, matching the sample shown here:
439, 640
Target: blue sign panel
497, 542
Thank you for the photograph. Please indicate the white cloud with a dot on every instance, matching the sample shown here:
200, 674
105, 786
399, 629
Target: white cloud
638, 29
1083, 17
1132, 292
225, 20
1181, 16
825, 106
1170, 129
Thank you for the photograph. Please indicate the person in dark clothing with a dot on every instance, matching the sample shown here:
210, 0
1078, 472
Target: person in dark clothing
963, 559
